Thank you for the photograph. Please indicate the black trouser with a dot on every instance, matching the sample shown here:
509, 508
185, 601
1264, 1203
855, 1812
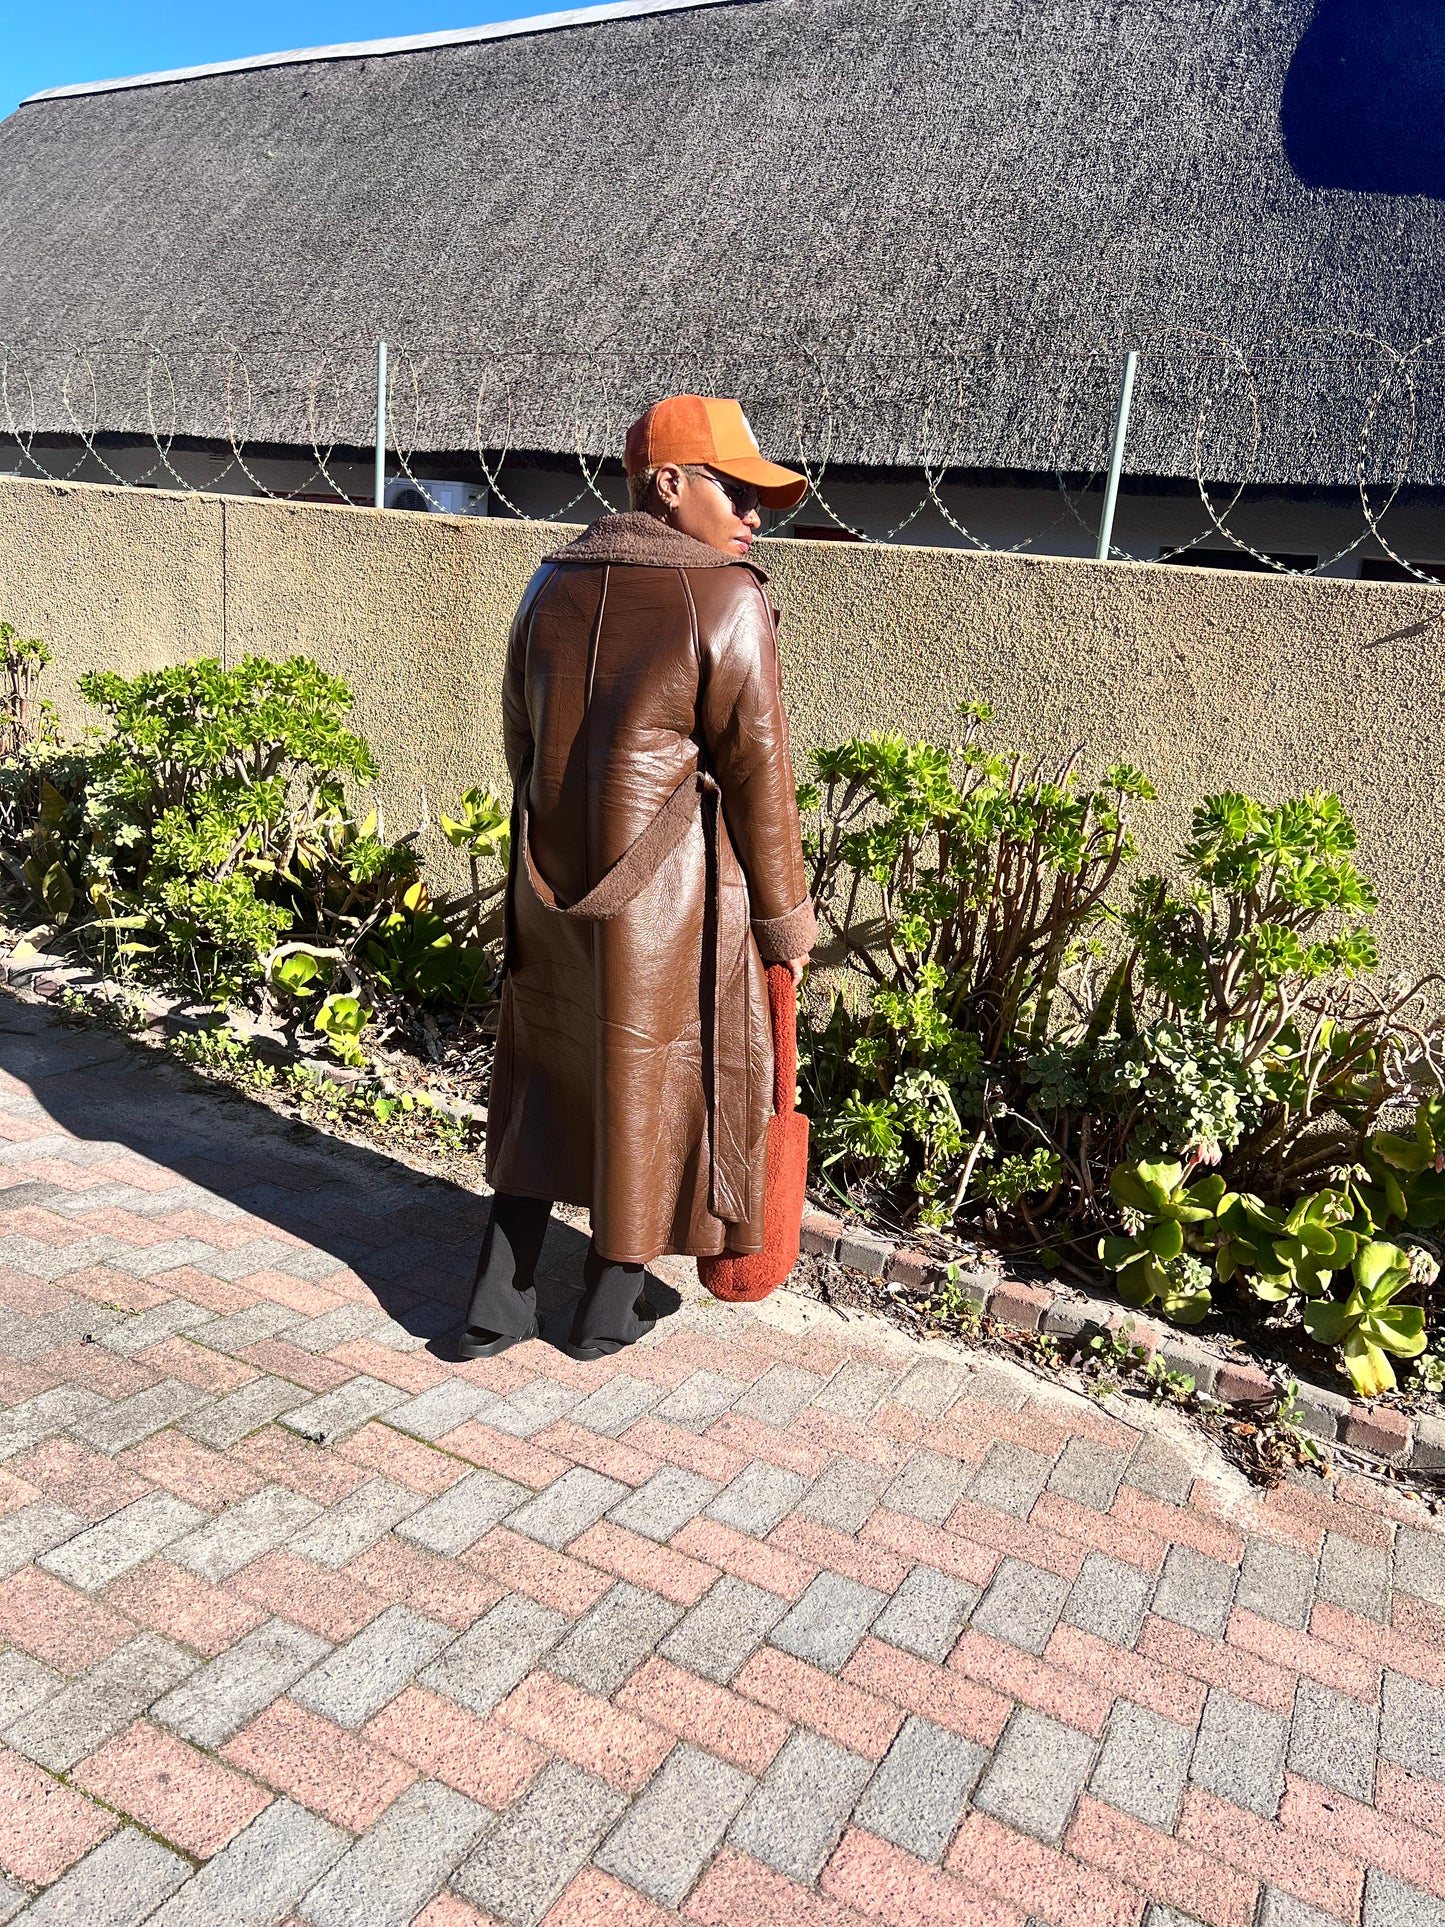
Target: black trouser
504, 1298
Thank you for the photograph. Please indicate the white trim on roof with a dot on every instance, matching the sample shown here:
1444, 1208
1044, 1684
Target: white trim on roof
409, 43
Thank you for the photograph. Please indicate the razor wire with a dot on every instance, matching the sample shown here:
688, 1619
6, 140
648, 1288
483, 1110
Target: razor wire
222, 413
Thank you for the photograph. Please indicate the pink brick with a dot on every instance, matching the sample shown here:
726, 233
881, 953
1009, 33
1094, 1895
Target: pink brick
1377, 1428
299, 1294
57, 1624
1321, 1817
829, 1433
595, 1899
604, 1740
999, 1534
887, 1884
1040, 1880
485, 1761
738, 1892
410, 1371
181, 1606
406, 1461
73, 1475
504, 1374
19, 1382
762, 1565
32, 1297
708, 1457
564, 1584
861, 1559
1178, 1525
1013, 1303
1410, 1796
1297, 1652
309, 1469
1417, 1620
914, 1539
1037, 1682
610, 1457
410, 1576
519, 1459
1128, 1675
1100, 1531
710, 1716
830, 1706
751, 1439
1308, 1868
1167, 1870
193, 1472
97, 1370
930, 1691
335, 1773
289, 1361
656, 1568
1311, 1513
171, 1789
1377, 1645
330, 1603
15, 1492
211, 1372
1243, 1385
219, 1295
44, 1827
1216, 1664
447, 1910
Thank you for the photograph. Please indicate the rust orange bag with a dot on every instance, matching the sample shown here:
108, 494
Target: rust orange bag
744, 1277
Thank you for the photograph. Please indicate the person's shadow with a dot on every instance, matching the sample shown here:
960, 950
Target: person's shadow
412, 1238
1363, 107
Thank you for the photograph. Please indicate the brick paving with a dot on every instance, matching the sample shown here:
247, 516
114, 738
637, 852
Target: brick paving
776, 1618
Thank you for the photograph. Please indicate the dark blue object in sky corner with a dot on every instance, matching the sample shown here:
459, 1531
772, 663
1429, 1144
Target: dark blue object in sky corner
1364, 100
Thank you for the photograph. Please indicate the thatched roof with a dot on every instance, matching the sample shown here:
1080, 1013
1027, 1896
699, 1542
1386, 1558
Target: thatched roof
906, 222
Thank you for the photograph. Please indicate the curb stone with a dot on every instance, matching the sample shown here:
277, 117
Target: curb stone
1401, 1439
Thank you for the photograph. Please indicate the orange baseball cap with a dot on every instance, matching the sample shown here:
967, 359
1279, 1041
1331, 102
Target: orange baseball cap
697, 430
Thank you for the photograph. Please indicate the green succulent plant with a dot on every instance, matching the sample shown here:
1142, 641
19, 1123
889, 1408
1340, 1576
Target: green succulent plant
1155, 1261
1283, 1253
1368, 1324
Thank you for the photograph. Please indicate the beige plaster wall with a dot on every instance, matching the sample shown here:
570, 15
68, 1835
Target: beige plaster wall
1207, 679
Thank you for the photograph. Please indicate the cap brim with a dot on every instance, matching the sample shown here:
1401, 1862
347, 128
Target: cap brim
778, 488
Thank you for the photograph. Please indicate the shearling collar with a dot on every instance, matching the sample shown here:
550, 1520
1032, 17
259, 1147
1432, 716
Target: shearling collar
645, 542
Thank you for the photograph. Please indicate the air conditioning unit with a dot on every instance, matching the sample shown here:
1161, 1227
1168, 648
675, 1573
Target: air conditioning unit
436, 498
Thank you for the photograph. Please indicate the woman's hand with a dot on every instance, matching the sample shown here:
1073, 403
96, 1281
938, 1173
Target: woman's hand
797, 965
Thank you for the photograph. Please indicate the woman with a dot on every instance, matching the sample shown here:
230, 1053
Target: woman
656, 868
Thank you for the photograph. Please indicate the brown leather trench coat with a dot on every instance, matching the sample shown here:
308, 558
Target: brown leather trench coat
634, 1054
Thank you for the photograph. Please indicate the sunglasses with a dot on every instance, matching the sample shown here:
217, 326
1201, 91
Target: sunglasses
742, 495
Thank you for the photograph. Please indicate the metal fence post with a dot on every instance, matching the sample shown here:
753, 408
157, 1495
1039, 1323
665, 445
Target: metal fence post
1116, 459
381, 424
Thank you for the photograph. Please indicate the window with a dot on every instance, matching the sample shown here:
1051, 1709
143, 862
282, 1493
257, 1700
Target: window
1381, 568
1238, 559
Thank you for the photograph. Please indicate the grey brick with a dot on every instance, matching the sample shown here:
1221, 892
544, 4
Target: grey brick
74, 1721
1333, 1740
1390, 1903
927, 1613
310, 1262
334, 1327
1109, 1599
132, 1419
535, 1849
1412, 1725
699, 1401
1143, 1766
610, 1642
856, 1389
829, 1619
260, 1876
928, 1487
1022, 1605
615, 1405
238, 1329
930, 1387
118, 1884
432, 1414
240, 1261
219, 1699
844, 1495
1009, 1478
917, 1796
24, 1683
1354, 1576
12, 1899
400, 1862
1279, 1909
481, 1668
1195, 1591
1160, 1469
664, 1504
33, 1530
568, 1506
758, 1498
92, 1559
334, 1414
133, 1334
242, 1533
42, 1417
724, 1629
675, 1824
1240, 1753
1420, 1563
794, 1816
247, 1409
1275, 1582
1088, 1473
360, 1677
1036, 1775
779, 1395
461, 1514
536, 1405
355, 1522
150, 1261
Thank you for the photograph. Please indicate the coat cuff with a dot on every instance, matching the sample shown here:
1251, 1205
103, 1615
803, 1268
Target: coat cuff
779, 939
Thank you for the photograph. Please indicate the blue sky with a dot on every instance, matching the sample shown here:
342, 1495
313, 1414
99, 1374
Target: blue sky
55, 45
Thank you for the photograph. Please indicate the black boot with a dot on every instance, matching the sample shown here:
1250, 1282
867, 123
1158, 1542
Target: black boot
612, 1312
503, 1310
